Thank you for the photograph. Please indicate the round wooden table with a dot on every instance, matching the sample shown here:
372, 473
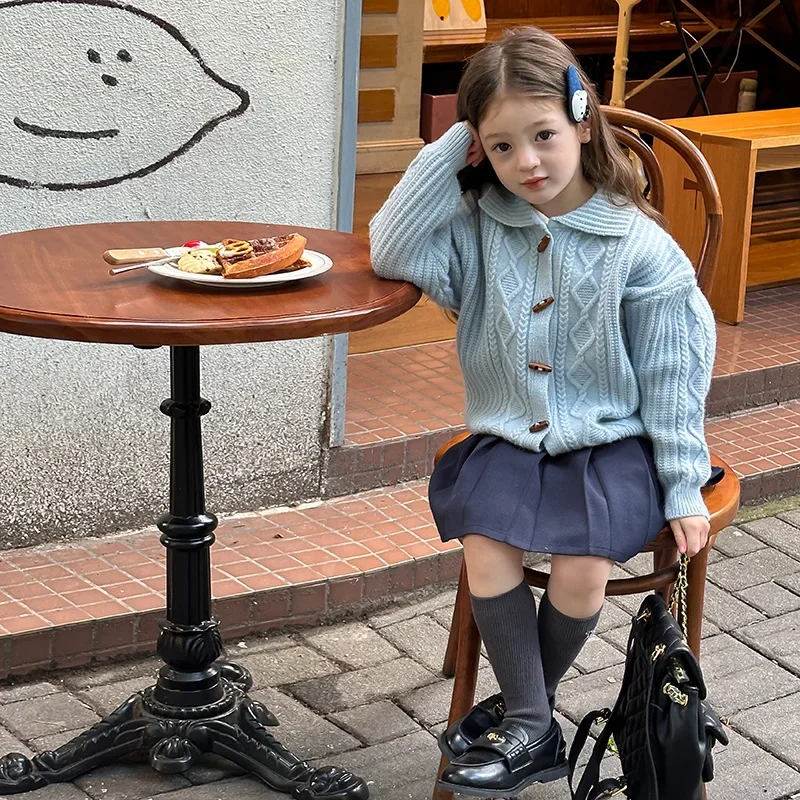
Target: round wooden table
56, 285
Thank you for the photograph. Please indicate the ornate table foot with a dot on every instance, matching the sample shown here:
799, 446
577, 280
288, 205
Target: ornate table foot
234, 727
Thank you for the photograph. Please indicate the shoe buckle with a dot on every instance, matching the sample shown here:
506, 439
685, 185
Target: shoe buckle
621, 789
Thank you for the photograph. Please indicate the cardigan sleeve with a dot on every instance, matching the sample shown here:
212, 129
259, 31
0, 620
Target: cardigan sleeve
672, 338
421, 230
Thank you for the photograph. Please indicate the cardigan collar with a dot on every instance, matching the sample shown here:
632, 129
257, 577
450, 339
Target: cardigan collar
599, 215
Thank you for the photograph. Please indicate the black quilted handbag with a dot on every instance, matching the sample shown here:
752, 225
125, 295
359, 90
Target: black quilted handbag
662, 727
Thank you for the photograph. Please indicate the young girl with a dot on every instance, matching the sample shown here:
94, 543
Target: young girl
586, 348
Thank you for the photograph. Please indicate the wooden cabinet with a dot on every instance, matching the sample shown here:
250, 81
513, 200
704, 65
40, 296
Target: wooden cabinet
738, 147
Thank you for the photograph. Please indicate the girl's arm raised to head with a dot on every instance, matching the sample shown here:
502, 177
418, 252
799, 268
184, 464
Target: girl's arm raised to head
672, 338
416, 234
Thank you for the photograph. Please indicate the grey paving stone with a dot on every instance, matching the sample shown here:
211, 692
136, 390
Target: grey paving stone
422, 638
726, 611
107, 697
58, 791
570, 674
733, 542
792, 517
262, 643
337, 692
771, 598
576, 698
760, 566
247, 788
301, 730
47, 715
400, 613
739, 678
294, 664
403, 769
612, 616
431, 704
356, 644
52, 742
776, 533
555, 790
627, 602
376, 722
619, 636
598, 654
444, 616
27, 691
774, 727
112, 673
128, 782
777, 638
790, 582
10, 744
630, 603
640, 564
212, 768
744, 771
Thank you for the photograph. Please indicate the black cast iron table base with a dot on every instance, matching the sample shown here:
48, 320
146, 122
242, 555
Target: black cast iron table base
199, 704
235, 728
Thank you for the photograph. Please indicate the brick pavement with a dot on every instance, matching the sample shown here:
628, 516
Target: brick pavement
367, 693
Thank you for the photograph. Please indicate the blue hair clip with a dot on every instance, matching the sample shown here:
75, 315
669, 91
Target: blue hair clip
577, 96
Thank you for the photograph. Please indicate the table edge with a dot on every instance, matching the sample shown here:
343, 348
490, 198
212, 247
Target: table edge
238, 331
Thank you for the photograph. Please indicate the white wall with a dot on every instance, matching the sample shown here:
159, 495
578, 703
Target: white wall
253, 136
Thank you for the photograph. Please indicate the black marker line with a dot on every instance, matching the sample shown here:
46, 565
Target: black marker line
36, 130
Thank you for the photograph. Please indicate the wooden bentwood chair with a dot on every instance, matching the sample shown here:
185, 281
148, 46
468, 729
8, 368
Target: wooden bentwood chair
722, 499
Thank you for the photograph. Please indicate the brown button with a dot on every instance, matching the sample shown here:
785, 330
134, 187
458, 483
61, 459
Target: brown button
539, 426
543, 304
540, 367
543, 244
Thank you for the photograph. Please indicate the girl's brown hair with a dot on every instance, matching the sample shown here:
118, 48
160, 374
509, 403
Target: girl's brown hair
533, 62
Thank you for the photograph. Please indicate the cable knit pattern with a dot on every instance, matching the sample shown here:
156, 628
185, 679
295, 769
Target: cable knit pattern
630, 337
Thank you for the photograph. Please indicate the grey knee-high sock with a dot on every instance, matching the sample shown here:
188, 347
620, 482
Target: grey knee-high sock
561, 638
507, 624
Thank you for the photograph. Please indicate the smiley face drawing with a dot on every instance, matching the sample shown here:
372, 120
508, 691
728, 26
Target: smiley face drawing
97, 92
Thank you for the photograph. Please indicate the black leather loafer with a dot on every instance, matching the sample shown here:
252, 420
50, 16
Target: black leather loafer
504, 761
454, 741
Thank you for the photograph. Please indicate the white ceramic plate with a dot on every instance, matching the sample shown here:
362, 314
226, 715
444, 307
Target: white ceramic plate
319, 263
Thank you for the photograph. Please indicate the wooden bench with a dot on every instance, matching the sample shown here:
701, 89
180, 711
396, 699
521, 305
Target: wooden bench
738, 147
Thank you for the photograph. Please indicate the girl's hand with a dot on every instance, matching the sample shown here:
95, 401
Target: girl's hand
475, 153
691, 534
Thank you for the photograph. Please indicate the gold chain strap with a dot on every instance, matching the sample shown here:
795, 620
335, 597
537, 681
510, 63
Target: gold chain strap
678, 602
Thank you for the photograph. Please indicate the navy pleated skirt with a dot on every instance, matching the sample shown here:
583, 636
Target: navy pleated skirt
602, 501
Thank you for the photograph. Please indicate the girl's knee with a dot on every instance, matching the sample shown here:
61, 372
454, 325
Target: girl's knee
580, 575
492, 567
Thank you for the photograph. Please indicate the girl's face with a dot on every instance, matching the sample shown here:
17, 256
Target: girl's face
536, 151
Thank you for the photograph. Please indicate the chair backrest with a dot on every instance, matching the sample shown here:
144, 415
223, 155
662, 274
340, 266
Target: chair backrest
624, 122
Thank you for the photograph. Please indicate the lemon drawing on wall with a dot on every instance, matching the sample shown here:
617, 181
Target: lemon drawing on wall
455, 15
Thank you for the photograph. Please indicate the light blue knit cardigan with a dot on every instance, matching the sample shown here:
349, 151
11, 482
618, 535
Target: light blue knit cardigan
630, 337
